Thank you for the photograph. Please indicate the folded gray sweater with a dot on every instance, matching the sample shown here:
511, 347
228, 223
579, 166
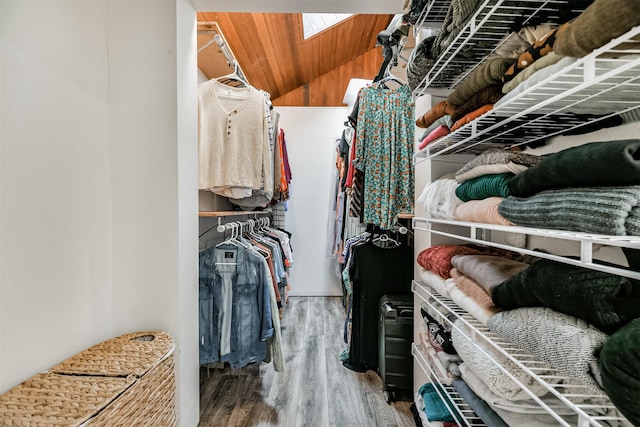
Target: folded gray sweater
600, 210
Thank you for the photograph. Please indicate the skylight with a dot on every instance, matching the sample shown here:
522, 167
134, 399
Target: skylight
313, 23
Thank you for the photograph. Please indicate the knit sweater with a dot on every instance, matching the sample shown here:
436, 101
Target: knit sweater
567, 168
484, 186
600, 210
568, 344
496, 157
621, 370
605, 300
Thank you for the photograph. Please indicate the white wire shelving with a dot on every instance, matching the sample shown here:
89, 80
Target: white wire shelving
459, 409
564, 389
432, 15
600, 83
492, 21
480, 233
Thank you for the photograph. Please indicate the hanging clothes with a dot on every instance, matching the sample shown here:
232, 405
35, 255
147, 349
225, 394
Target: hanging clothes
234, 148
385, 135
241, 282
374, 271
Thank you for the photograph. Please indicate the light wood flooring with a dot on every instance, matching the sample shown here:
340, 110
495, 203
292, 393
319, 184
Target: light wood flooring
315, 390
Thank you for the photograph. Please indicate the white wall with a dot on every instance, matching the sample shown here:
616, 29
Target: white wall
98, 229
310, 133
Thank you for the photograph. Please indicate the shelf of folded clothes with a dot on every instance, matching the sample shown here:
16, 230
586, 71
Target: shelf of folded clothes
585, 243
517, 385
450, 398
564, 95
473, 29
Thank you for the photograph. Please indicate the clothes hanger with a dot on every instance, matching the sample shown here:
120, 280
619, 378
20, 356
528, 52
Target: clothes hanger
385, 241
236, 75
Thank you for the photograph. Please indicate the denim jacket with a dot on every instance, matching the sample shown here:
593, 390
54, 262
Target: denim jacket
238, 306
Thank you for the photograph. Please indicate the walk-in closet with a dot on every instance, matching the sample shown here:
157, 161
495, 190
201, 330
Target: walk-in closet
320, 213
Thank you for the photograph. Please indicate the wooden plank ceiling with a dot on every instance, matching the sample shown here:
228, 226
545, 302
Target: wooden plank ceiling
274, 56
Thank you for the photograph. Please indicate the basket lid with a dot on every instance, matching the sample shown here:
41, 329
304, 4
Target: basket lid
126, 355
59, 400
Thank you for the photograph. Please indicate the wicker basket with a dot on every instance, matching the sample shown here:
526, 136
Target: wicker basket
125, 381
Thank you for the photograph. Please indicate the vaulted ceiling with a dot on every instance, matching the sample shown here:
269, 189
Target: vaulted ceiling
275, 57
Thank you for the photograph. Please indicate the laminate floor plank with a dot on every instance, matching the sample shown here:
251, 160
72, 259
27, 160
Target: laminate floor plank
312, 407
314, 390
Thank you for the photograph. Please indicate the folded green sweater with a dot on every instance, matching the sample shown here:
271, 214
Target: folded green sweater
608, 163
484, 186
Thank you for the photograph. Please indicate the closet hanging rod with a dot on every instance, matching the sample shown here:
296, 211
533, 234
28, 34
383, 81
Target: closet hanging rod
220, 41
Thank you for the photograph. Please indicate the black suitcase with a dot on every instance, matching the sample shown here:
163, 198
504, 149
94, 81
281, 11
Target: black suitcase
395, 335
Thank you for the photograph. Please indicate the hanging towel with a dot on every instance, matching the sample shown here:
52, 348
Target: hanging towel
483, 187
608, 163
568, 344
488, 271
619, 362
601, 210
605, 300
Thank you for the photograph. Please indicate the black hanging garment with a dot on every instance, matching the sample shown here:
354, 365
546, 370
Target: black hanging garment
375, 272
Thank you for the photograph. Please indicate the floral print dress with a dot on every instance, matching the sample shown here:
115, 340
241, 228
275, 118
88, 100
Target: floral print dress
385, 131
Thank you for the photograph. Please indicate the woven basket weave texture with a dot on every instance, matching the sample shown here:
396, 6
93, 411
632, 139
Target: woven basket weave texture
125, 381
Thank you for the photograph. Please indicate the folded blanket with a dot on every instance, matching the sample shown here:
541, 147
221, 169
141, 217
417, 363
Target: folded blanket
598, 24
436, 134
438, 199
471, 297
484, 186
489, 73
451, 362
568, 344
605, 300
600, 210
468, 118
488, 95
567, 168
514, 161
435, 409
430, 353
549, 59
437, 258
619, 362
437, 111
484, 211
487, 368
525, 406
479, 406
487, 271
434, 281
535, 51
